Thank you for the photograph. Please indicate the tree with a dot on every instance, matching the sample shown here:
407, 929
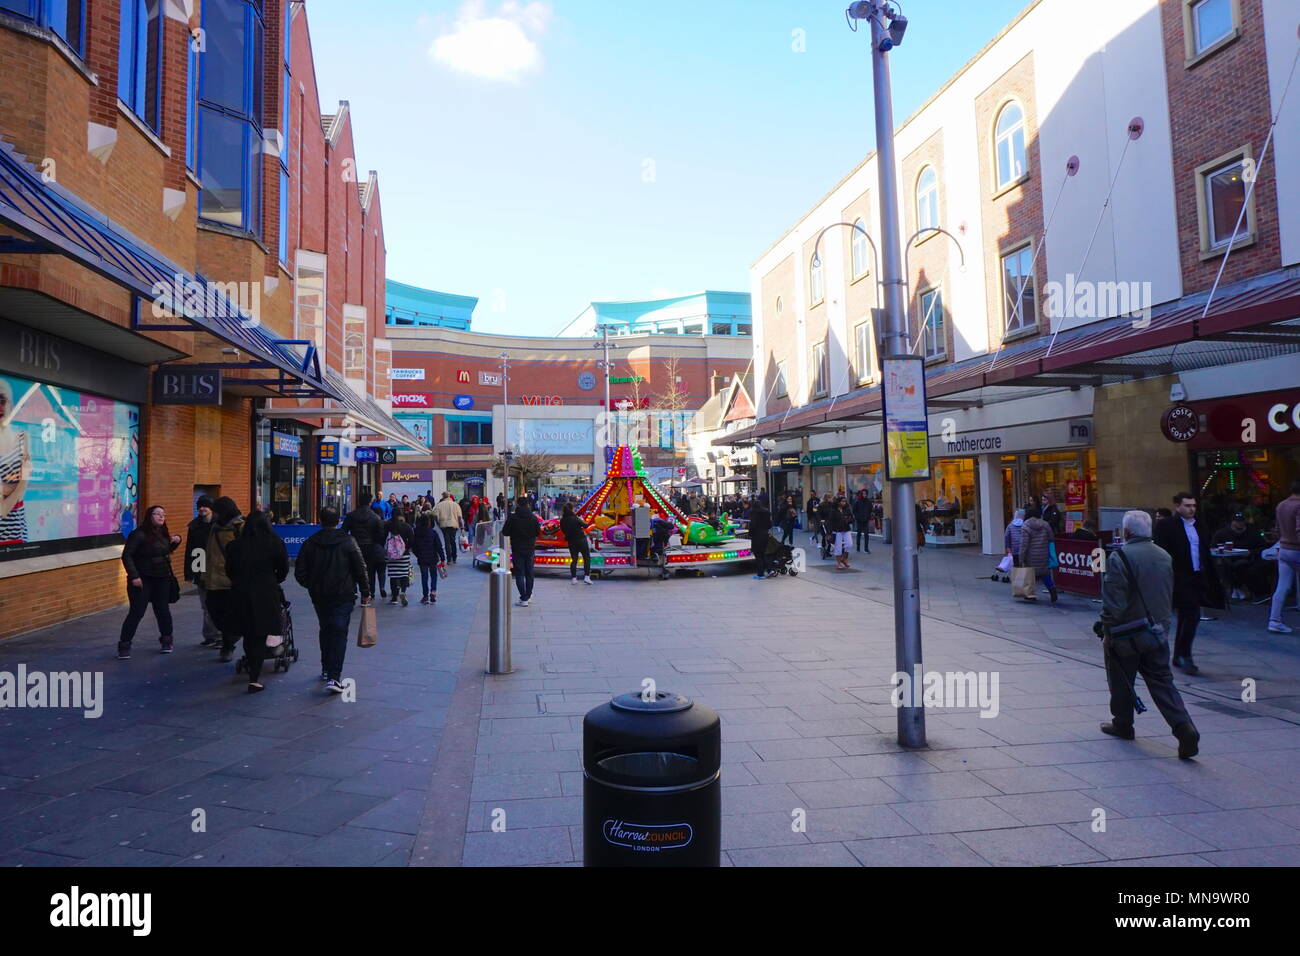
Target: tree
527, 469
672, 400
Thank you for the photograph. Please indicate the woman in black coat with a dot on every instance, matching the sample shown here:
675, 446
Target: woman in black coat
426, 545
257, 563
575, 533
147, 559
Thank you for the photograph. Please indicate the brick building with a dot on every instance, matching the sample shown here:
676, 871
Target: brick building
191, 284
1101, 222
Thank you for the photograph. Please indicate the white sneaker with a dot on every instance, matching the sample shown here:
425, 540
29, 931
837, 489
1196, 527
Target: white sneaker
522, 604
1277, 627
573, 580
586, 580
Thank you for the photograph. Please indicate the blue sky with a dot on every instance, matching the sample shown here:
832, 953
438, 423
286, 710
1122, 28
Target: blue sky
542, 155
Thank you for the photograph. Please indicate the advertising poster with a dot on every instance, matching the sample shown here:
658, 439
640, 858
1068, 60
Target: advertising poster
421, 426
907, 438
69, 469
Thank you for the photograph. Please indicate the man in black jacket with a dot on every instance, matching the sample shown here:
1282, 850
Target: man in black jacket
368, 530
523, 528
760, 527
196, 543
330, 566
1195, 583
862, 518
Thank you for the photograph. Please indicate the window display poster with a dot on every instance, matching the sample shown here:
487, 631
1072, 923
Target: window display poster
69, 469
421, 426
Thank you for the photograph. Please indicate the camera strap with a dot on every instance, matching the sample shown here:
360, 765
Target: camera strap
1151, 622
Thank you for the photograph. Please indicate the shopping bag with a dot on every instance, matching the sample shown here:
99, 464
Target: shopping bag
442, 570
367, 627
1052, 561
1023, 583
1005, 564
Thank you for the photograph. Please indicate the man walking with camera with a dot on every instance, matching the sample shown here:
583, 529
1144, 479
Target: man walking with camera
1137, 610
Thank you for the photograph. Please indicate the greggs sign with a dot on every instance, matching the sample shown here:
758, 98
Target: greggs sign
412, 400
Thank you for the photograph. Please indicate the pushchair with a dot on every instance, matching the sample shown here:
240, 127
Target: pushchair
283, 655
660, 533
780, 557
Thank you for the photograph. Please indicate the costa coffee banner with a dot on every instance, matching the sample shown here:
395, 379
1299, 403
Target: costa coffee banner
1076, 573
1242, 421
412, 400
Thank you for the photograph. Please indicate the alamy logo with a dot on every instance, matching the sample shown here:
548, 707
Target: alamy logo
184, 295
1084, 299
77, 909
952, 689
76, 690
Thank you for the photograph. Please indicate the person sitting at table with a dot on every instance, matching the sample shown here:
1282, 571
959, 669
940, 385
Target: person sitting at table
1087, 531
1248, 574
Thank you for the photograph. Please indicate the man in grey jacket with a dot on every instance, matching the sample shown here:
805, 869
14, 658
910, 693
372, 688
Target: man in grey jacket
1137, 613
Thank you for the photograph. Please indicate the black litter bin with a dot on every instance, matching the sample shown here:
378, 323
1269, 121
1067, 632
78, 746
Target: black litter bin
651, 789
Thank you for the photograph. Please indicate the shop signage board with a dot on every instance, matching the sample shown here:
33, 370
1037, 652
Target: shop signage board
367, 455
407, 374
464, 402
1240, 421
412, 400
290, 446
398, 475
586, 381
338, 453
293, 536
173, 385
1076, 574
821, 459
907, 438
490, 378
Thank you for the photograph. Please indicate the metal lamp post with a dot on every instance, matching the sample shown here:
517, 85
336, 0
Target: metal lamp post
887, 28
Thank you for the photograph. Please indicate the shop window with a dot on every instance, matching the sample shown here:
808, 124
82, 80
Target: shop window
230, 102
1221, 196
1009, 144
744, 328
933, 328
1019, 299
469, 432
309, 298
64, 18
927, 199
140, 59
722, 328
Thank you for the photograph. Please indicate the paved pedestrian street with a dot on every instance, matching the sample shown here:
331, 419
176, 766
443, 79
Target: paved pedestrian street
436, 763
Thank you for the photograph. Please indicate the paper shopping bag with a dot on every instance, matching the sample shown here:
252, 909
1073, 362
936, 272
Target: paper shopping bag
1023, 583
367, 627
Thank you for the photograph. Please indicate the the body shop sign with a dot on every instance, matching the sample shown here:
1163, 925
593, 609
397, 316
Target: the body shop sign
555, 437
412, 400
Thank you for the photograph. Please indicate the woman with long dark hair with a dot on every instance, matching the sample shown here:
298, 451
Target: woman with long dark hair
147, 559
257, 563
426, 544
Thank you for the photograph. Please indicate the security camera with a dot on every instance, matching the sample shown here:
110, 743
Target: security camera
897, 27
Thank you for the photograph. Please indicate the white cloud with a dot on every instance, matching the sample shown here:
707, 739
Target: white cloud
494, 46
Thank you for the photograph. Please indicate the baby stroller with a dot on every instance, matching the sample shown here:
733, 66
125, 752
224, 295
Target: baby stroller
284, 653
780, 557
660, 531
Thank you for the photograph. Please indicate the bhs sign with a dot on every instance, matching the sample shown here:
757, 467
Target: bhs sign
178, 387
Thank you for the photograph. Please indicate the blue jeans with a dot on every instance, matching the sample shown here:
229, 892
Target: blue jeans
429, 579
1288, 570
334, 617
524, 561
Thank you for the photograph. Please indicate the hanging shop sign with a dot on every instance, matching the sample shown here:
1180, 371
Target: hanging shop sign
412, 400
175, 386
341, 453
290, 446
906, 425
367, 456
388, 456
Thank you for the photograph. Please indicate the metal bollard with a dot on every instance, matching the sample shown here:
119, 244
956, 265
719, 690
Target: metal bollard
499, 621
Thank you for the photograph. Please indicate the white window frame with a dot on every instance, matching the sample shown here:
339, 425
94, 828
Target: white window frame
820, 380
864, 347
858, 249
1211, 247
1008, 301
816, 283
781, 385
927, 199
1009, 136
354, 352
313, 331
940, 340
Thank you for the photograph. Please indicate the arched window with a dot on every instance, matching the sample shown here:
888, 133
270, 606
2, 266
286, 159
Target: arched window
816, 288
780, 308
1009, 144
927, 199
859, 248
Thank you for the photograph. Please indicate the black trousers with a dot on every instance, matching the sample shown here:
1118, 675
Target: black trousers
255, 651
864, 537
524, 562
334, 617
377, 574
787, 534
154, 591
1189, 616
758, 544
583, 549
449, 539
1147, 654
221, 607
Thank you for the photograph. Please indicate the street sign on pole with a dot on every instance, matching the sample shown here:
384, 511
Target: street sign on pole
907, 427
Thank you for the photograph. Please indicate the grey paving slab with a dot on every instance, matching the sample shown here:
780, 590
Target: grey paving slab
845, 824
939, 849
821, 854
1236, 829
1030, 846
1129, 838
956, 815
521, 847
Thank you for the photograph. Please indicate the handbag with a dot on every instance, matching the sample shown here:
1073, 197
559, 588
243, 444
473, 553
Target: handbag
1052, 561
174, 591
368, 627
1023, 582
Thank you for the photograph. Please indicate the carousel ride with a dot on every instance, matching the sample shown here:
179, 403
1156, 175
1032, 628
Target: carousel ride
678, 543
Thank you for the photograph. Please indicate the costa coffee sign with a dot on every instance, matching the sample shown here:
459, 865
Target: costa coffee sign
412, 400
1180, 423
1242, 421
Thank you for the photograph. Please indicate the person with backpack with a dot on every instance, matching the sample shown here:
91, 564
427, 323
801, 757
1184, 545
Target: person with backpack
331, 567
147, 559
368, 530
575, 534
257, 563
426, 545
523, 528
227, 525
397, 557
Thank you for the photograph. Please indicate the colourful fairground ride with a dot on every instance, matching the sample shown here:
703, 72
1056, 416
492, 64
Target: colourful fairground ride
678, 542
